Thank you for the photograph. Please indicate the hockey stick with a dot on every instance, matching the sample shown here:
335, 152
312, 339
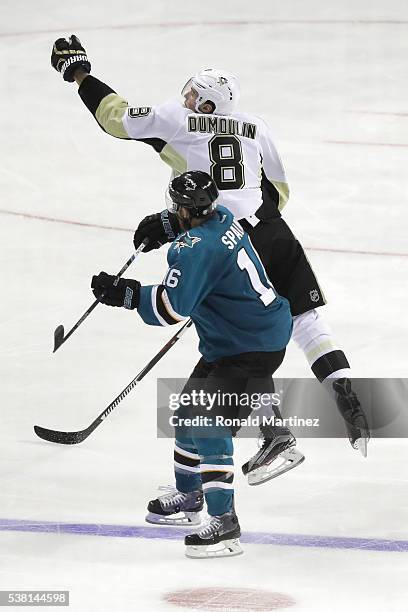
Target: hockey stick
75, 437
59, 337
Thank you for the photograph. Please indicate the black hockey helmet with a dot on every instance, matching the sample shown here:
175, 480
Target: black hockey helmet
196, 191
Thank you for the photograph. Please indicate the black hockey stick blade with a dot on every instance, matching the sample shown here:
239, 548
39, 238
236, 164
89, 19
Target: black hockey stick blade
75, 437
61, 437
58, 337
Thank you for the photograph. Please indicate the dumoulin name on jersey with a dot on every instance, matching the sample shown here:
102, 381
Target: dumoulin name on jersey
216, 278
220, 125
237, 151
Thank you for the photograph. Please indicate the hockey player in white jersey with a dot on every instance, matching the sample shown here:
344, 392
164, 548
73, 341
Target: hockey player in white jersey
206, 133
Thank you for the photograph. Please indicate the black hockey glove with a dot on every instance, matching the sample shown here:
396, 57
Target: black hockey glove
126, 292
159, 228
69, 55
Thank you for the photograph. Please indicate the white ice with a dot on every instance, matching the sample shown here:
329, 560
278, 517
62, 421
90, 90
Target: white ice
330, 78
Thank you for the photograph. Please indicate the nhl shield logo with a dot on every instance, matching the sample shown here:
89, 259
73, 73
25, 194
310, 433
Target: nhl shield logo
314, 295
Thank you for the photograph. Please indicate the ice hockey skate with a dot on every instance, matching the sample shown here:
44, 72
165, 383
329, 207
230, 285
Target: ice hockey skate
176, 508
218, 537
276, 456
355, 419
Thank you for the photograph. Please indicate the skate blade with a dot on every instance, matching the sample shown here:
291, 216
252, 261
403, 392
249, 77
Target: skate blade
290, 458
185, 519
226, 548
361, 445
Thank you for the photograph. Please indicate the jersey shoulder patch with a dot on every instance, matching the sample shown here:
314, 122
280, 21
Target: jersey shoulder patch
185, 241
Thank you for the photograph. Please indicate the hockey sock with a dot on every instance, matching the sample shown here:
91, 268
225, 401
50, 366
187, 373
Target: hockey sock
186, 467
314, 337
217, 472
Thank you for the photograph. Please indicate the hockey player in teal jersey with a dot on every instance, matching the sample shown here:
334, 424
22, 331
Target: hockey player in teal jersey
212, 268
216, 278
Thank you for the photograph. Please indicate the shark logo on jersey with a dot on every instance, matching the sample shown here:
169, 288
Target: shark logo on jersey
314, 295
186, 240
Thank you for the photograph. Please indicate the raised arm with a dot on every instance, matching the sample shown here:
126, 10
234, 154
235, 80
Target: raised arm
115, 116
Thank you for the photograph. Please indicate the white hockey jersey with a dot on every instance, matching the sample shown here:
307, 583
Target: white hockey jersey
237, 151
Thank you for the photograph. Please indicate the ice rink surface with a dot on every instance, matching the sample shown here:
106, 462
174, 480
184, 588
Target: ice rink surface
331, 79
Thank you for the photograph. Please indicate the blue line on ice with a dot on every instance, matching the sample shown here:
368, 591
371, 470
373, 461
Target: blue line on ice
168, 533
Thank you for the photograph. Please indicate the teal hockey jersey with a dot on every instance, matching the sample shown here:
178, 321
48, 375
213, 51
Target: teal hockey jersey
216, 277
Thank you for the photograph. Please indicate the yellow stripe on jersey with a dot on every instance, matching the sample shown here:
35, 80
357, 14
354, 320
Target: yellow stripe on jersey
109, 115
283, 190
173, 159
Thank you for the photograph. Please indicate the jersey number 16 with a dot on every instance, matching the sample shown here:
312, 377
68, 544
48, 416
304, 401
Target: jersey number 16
265, 294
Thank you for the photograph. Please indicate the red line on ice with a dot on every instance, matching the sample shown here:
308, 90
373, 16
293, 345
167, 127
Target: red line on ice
385, 113
66, 221
367, 144
127, 229
189, 24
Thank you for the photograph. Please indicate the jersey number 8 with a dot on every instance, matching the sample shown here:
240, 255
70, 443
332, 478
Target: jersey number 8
227, 169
